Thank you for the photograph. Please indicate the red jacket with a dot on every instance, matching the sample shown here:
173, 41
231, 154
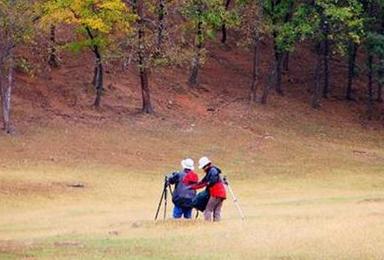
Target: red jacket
214, 183
190, 178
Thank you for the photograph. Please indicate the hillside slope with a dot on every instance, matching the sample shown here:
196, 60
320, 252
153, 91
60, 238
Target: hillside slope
76, 182
225, 80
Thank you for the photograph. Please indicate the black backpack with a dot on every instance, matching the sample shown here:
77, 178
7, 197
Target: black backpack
201, 200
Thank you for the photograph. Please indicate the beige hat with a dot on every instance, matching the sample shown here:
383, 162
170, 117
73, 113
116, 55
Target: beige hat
188, 164
204, 161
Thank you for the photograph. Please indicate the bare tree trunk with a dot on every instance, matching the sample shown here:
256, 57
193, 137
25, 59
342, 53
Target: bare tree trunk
255, 71
224, 27
6, 92
381, 66
326, 59
95, 74
352, 52
315, 102
98, 79
370, 88
6, 67
279, 65
147, 106
286, 62
193, 79
161, 26
380, 79
379, 92
267, 87
52, 60
279, 73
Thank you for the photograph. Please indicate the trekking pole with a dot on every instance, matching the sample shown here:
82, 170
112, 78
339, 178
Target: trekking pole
235, 201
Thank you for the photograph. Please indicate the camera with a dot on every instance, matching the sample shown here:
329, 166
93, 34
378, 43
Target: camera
168, 177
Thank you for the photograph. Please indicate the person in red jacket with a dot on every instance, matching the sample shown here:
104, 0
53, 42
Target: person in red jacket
216, 188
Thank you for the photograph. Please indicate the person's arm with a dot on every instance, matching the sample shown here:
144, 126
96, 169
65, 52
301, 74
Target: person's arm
200, 184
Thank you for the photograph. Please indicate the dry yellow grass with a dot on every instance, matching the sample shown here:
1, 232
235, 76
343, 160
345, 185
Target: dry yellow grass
309, 191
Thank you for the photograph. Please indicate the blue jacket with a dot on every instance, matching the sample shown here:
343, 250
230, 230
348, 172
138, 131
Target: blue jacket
183, 194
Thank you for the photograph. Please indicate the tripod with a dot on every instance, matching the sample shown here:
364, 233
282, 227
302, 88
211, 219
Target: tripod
235, 201
164, 197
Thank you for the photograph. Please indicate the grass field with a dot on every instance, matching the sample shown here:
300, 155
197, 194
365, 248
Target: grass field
310, 190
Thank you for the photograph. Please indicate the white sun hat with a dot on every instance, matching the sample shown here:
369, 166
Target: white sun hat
204, 161
188, 164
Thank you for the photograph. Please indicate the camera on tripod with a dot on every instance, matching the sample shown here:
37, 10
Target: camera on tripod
164, 195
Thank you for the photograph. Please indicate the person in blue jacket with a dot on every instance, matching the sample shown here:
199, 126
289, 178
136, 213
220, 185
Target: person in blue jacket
183, 194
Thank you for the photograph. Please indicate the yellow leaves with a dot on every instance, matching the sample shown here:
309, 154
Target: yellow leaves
96, 23
99, 15
113, 5
107, 20
57, 16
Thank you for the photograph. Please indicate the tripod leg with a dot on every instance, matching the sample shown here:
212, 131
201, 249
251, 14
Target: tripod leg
158, 207
236, 202
170, 189
165, 201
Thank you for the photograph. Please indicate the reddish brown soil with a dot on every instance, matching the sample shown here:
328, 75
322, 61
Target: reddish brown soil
67, 93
